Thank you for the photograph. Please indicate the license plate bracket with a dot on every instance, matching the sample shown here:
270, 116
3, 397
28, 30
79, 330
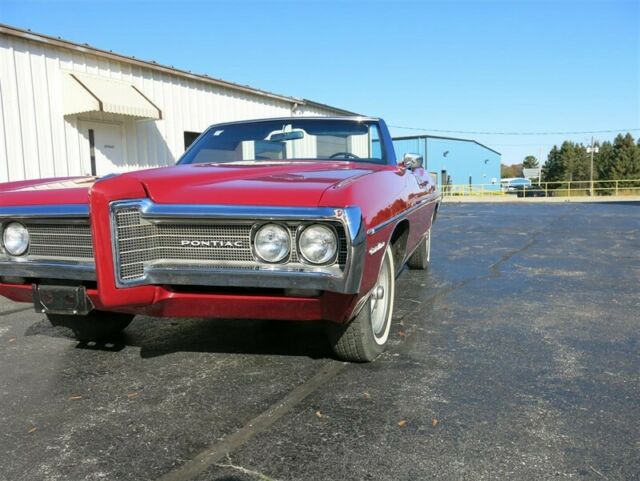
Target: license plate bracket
71, 300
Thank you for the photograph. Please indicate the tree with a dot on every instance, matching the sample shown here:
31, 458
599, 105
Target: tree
626, 154
553, 170
617, 160
603, 161
568, 163
580, 163
514, 170
530, 162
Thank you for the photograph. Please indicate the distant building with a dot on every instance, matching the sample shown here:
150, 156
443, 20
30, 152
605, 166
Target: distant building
454, 161
68, 109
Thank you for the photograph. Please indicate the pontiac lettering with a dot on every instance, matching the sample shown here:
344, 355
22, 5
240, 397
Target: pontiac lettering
213, 243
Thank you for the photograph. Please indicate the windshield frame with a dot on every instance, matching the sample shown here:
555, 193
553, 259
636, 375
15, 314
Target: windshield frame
387, 157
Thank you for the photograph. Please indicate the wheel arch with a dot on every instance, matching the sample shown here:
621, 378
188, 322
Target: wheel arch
435, 212
398, 243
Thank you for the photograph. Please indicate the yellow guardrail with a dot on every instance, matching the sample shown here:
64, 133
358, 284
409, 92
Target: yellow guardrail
580, 188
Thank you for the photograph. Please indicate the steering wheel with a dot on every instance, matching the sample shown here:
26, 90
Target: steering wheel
345, 155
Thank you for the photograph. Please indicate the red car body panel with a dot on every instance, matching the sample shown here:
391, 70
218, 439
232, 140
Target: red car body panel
168, 303
387, 195
298, 184
66, 190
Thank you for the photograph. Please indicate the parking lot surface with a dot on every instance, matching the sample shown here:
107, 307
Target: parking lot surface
516, 356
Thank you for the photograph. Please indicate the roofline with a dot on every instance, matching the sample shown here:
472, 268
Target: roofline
354, 118
427, 136
150, 64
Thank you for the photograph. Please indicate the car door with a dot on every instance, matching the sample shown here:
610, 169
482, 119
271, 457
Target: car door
422, 189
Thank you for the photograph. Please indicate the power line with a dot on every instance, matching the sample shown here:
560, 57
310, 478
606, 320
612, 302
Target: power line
474, 132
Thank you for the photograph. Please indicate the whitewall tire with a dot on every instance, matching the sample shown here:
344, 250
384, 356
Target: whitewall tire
365, 337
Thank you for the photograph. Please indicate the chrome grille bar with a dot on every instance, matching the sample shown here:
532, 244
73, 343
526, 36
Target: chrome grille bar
66, 241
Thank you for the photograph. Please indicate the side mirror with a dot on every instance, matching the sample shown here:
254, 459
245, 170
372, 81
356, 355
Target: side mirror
412, 161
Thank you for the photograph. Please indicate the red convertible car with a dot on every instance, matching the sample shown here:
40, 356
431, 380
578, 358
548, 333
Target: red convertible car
296, 218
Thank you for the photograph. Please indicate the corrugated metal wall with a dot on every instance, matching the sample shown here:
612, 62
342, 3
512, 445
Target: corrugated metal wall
464, 162
37, 141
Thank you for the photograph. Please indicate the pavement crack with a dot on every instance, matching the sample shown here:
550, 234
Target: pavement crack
249, 472
221, 449
15, 311
495, 267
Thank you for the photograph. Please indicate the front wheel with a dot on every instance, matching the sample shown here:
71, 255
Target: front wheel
95, 326
365, 337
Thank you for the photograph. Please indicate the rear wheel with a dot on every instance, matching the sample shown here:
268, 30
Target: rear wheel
95, 326
365, 337
422, 255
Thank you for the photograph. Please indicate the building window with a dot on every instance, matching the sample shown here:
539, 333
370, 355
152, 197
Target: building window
189, 137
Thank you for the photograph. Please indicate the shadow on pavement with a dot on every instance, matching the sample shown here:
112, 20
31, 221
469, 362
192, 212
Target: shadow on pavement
159, 336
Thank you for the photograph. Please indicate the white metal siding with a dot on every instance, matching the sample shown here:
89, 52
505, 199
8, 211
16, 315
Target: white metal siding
37, 141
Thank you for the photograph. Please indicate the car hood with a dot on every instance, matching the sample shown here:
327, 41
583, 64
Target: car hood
278, 184
67, 190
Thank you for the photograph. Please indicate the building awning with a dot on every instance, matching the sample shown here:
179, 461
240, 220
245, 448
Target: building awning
85, 93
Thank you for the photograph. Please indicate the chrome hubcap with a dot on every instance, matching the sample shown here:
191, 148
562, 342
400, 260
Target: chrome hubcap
380, 302
378, 293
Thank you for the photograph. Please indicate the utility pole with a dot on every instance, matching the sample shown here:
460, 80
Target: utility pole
540, 167
591, 150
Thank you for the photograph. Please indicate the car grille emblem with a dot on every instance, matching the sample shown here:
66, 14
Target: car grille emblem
208, 243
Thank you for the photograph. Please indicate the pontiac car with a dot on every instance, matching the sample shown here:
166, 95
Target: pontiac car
307, 219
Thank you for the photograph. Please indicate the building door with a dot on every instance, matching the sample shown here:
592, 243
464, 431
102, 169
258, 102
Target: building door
106, 147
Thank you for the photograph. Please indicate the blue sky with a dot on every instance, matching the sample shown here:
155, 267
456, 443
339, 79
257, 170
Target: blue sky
520, 66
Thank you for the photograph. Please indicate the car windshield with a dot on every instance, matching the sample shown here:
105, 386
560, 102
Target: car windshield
284, 140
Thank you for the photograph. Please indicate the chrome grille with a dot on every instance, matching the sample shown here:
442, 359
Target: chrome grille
60, 240
140, 243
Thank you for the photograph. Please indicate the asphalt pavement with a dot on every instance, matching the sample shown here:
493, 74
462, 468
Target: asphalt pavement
515, 357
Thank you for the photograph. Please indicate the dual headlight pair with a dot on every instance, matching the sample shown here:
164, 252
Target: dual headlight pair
317, 243
15, 239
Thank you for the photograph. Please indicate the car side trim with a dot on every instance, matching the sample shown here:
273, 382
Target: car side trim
429, 200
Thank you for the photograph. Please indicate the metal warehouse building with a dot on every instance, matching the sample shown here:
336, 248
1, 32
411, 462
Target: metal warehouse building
454, 161
68, 109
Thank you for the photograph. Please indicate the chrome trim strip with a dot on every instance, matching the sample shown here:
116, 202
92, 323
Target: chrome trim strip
268, 275
188, 212
404, 213
353, 118
62, 211
258, 278
48, 269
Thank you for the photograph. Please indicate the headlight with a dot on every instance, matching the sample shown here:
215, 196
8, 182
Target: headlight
272, 243
318, 244
15, 239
